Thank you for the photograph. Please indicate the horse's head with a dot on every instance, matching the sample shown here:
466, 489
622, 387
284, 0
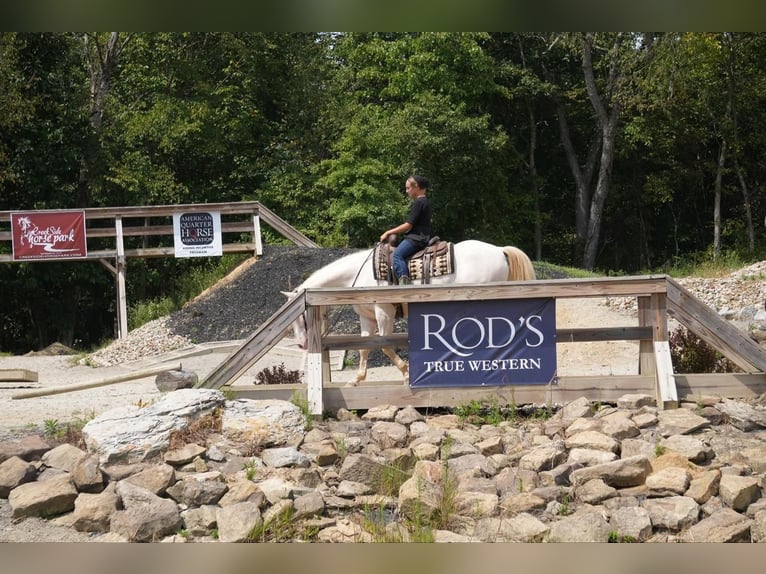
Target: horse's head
300, 331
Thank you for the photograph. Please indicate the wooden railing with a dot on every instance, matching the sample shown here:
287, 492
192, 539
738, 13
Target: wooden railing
657, 296
151, 221
239, 218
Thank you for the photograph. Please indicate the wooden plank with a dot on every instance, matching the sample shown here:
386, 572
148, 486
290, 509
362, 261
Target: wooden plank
714, 330
315, 373
667, 397
19, 385
646, 363
146, 252
16, 375
93, 384
153, 230
256, 346
284, 228
137, 211
367, 395
562, 288
400, 340
691, 387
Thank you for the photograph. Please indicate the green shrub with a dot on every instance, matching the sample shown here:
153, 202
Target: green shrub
690, 354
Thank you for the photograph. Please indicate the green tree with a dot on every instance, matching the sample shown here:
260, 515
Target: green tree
417, 103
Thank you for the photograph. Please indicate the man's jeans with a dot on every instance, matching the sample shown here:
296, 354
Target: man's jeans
403, 251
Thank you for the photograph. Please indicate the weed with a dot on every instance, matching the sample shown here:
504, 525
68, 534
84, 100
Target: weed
52, 428
340, 446
281, 528
302, 403
615, 537
278, 375
214, 534
197, 430
250, 469
183, 533
494, 414
565, 510
659, 449
391, 479
447, 497
376, 522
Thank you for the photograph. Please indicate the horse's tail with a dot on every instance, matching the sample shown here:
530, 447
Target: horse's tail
520, 266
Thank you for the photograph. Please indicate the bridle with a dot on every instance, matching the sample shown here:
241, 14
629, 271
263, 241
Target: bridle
331, 323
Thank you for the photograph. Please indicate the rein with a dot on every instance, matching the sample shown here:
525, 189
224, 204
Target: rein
331, 324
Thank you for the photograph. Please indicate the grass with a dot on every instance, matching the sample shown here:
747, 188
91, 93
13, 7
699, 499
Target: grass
282, 528
68, 431
302, 403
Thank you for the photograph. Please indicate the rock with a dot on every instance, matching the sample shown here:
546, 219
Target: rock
176, 379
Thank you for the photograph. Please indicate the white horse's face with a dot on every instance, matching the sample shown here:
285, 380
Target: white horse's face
300, 331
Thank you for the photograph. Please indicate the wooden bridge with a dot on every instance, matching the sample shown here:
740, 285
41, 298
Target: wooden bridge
658, 296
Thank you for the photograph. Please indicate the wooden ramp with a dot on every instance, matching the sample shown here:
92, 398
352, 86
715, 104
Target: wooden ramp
656, 295
255, 347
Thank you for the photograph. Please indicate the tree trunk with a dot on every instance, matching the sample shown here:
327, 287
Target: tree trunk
748, 205
101, 61
533, 176
607, 122
717, 202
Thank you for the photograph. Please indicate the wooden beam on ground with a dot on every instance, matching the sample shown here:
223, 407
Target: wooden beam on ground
93, 384
18, 375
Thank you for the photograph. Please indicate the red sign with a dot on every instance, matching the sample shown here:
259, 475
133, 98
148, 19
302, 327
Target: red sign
50, 235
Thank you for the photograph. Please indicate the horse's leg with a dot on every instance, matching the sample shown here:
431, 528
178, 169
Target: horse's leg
384, 316
367, 325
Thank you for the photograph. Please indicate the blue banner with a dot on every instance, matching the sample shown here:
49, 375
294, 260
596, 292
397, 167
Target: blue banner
477, 343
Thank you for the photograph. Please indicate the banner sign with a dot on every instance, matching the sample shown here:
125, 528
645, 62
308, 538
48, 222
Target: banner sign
477, 343
50, 235
197, 234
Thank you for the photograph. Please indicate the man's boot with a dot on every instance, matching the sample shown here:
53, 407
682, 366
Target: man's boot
404, 280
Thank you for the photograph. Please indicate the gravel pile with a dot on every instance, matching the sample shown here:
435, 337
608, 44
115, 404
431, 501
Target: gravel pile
232, 309
737, 296
242, 301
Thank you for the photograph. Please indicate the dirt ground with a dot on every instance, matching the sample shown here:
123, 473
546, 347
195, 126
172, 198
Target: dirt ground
58, 372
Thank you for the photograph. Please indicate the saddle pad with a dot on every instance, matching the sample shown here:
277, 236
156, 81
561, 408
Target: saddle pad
433, 266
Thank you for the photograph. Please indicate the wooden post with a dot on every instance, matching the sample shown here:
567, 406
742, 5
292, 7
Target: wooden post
122, 304
314, 370
257, 234
667, 395
646, 364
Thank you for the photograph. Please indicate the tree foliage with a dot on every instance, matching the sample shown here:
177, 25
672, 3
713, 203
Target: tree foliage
621, 152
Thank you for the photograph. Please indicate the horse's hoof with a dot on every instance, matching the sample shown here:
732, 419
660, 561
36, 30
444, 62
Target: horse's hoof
351, 384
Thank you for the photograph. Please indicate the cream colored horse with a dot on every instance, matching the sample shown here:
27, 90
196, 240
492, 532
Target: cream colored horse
475, 262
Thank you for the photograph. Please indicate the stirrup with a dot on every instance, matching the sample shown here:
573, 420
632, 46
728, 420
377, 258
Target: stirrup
404, 280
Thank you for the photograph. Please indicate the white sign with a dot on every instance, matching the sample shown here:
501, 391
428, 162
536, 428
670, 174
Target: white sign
198, 234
